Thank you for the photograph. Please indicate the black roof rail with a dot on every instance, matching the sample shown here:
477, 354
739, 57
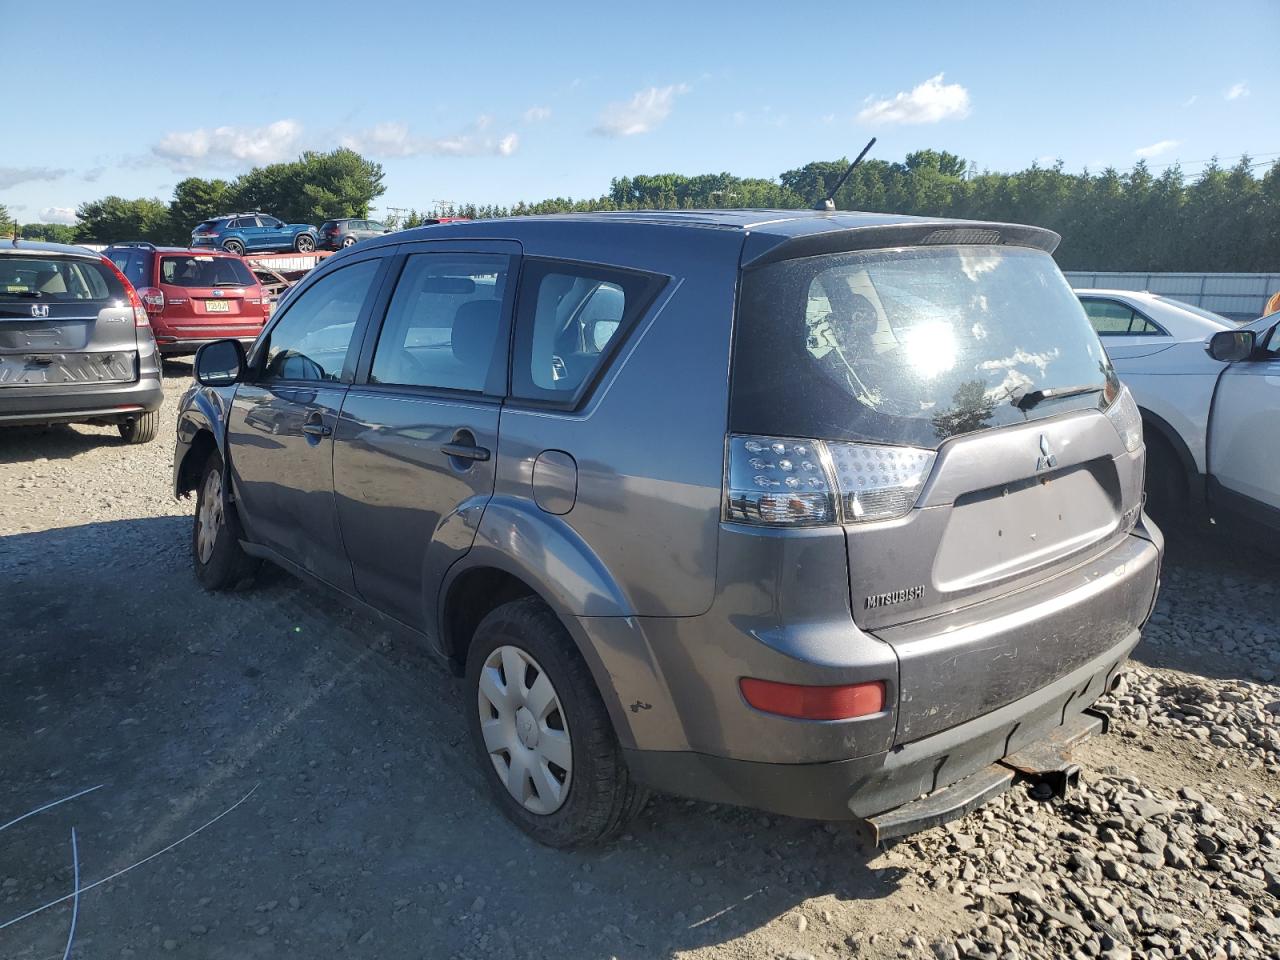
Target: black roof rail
133, 243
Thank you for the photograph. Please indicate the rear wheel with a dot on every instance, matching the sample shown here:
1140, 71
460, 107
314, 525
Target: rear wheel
541, 731
304, 243
140, 429
234, 246
348, 241
220, 562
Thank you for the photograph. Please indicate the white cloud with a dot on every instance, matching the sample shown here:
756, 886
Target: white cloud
394, 139
1156, 149
537, 114
1191, 100
229, 146
65, 215
641, 114
12, 176
92, 175
929, 102
1236, 91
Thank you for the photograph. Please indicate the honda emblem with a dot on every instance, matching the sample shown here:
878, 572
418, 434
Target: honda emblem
39, 309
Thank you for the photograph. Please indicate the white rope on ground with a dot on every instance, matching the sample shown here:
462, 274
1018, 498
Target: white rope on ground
47, 806
98, 883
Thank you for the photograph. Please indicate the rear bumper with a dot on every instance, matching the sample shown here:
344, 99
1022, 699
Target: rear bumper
866, 786
179, 346
111, 401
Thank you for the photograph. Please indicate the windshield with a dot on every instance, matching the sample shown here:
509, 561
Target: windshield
57, 280
204, 271
911, 346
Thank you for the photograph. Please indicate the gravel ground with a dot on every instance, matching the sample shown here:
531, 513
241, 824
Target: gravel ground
358, 825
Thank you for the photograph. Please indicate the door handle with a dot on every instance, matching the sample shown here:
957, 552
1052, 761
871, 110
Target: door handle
465, 451
316, 427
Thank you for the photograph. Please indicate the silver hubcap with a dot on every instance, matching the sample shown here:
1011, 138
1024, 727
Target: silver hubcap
525, 730
209, 516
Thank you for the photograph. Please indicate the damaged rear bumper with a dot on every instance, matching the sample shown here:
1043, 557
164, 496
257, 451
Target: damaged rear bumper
863, 789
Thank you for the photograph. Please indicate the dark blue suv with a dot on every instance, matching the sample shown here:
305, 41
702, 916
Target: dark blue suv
254, 232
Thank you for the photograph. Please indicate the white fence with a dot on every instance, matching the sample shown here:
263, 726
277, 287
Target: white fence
1239, 296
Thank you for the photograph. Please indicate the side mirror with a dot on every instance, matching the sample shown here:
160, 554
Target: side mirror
1230, 346
220, 364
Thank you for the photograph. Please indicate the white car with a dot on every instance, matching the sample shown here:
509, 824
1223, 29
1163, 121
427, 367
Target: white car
1209, 393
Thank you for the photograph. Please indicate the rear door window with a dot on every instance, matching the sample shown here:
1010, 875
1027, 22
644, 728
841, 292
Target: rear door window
442, 324
570, 318
909, 346
1111, 318
313, 336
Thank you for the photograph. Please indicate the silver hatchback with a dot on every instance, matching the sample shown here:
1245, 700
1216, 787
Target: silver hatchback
834, 515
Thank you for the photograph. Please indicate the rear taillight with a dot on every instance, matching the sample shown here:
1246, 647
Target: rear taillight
778, 481
152, 299
803, 702
1124, 416
140, 318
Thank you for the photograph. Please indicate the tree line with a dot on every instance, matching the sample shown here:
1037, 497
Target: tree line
1225, 218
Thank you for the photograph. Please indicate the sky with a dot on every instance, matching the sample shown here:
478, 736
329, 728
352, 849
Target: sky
496, 102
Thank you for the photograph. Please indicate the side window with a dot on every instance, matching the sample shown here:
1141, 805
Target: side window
442, 323
1108, 317
270, 222
311, 340
1143, 326
569, 317
239, 224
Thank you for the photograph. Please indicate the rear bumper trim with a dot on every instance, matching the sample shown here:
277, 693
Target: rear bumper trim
1044, 761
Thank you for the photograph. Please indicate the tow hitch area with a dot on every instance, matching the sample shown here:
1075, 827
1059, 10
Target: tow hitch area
1045, 764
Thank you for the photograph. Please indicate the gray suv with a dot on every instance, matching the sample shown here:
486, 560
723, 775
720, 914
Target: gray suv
836, 515
75, 342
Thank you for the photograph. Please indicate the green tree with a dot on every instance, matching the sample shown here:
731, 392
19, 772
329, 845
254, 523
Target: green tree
313, 188
113, 219
50, 232
195, 200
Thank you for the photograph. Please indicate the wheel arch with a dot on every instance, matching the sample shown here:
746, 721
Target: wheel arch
1156, 425
201, 431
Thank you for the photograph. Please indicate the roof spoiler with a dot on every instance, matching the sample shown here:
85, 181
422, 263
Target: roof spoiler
770, 248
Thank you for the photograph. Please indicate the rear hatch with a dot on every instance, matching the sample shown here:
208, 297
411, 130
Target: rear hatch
206, 294
64, 321
964, 398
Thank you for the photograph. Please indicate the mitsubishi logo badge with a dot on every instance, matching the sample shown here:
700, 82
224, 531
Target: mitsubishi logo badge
1047, 459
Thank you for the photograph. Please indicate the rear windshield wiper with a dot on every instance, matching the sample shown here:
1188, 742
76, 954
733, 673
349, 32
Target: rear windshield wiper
229, 283
1026, 401
29, 294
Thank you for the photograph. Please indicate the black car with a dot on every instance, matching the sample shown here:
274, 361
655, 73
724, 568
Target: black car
75, 342
336, 234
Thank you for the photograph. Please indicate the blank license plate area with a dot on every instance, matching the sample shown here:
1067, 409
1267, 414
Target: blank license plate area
1010, 529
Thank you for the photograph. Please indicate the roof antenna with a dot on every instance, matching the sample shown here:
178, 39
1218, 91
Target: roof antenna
829, 204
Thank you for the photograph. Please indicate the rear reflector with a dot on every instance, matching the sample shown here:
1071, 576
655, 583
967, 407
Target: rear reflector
814, 703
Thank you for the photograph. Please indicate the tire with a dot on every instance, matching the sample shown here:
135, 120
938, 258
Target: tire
599, 796
219, 561
304, 243
140, 429
233, 246
348, 241
1167, 494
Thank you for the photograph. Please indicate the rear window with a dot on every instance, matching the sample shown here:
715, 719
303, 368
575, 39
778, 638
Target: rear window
910, 346
198, 271
57, 280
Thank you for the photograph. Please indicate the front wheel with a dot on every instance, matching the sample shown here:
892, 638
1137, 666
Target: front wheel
541, 731
220, 562
304, 243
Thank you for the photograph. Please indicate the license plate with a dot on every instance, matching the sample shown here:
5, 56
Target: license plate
217, 306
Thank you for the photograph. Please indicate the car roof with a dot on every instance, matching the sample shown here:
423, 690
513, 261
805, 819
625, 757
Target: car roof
767, 231
8, 245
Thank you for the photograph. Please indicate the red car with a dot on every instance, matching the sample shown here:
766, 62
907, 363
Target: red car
193, 296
